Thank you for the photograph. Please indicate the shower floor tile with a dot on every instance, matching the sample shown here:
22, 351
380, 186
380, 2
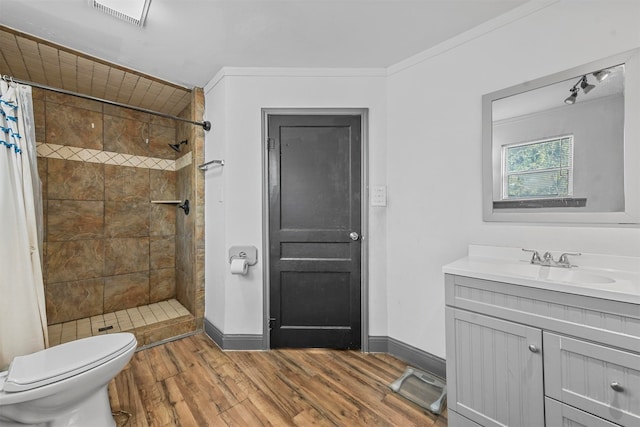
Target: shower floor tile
136, 320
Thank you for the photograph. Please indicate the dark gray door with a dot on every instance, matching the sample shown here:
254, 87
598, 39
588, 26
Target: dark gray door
314, 230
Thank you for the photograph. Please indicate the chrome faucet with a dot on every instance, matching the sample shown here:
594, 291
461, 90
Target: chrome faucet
563, 261
548, 261
535, 258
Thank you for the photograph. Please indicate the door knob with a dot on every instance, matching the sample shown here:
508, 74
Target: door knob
533, 348
354, 236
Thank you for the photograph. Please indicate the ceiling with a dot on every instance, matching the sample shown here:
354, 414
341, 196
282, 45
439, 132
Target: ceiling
31, 59
185, 43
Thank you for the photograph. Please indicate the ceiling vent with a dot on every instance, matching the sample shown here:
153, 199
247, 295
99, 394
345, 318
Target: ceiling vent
131, 11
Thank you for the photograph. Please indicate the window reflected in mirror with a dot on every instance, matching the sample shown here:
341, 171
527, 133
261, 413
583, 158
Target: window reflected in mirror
538, 169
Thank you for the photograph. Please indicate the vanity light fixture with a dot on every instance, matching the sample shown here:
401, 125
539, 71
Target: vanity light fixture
585, 85
571, 99
131, 11
601, 75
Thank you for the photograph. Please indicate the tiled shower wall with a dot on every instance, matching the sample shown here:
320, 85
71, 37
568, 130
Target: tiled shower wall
185, 229
190, 229
107, 247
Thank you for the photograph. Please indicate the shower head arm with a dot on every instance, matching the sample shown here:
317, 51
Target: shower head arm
176, 147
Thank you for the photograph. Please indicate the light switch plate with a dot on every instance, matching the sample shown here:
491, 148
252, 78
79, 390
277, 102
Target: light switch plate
379, 196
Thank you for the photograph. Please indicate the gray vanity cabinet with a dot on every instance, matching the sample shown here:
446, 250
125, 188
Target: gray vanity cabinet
525, 356
497, 379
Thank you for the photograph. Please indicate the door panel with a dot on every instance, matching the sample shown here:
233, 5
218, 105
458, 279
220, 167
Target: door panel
314, 203
315, 250
315, 168
300, 293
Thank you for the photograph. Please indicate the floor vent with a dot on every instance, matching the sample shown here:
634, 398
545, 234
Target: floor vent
423, 389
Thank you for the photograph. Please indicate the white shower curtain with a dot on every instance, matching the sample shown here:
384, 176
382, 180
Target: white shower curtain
23, 322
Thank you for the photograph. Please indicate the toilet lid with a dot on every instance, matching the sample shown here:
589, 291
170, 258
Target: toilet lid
65, 360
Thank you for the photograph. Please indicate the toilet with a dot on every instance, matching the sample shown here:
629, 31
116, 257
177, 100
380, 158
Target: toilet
65, 385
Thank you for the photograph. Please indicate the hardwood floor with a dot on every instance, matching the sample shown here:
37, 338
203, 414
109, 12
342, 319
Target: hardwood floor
191, 382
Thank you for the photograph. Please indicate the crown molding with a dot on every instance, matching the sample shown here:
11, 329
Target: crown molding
293, 72
513, 15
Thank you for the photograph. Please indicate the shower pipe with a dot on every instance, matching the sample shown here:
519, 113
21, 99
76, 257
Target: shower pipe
206, 125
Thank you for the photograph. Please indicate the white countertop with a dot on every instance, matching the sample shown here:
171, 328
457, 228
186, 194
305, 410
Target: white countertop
601, 276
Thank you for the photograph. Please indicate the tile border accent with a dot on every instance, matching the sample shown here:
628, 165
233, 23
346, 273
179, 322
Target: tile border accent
67, 152
183, 161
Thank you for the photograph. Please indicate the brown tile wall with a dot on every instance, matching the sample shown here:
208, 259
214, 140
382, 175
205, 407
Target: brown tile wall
106, 246
197, 112
185, 224
190, 185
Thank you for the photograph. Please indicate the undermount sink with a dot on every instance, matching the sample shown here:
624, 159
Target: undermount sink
595, 275
572, 276
554, 274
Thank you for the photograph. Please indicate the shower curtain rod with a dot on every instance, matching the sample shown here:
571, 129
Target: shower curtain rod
206, 125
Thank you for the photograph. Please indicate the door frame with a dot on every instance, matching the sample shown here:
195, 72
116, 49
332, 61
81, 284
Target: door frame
364, 256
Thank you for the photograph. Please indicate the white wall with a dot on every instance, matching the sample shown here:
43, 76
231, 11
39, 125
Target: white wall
234, 100
425, 144
215, 210
434, 152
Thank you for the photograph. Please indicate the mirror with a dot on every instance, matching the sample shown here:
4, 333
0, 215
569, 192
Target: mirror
561, 148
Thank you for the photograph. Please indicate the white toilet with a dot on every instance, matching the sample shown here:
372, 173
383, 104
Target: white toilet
65, 385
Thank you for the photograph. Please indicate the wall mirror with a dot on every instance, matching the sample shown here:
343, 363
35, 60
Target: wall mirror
565, 148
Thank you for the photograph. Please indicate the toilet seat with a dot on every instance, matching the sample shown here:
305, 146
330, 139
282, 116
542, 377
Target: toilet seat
64, 361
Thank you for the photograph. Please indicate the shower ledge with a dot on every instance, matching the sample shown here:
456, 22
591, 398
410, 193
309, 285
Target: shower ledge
149, 323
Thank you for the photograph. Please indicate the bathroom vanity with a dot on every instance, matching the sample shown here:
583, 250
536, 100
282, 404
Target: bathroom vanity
531, 345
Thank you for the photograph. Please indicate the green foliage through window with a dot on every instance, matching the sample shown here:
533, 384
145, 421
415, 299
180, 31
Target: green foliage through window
539, 169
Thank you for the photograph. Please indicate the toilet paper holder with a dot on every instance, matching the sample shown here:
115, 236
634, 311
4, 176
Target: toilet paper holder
250, 253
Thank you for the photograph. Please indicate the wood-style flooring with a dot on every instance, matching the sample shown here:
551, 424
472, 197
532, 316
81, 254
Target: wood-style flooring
191, 382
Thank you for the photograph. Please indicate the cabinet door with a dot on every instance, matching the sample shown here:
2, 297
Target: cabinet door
600, 380
494, 370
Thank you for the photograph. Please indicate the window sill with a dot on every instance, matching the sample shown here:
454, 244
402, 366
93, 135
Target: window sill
567, 202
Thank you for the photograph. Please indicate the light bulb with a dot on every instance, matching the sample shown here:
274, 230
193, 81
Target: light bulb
601, 75
571, 99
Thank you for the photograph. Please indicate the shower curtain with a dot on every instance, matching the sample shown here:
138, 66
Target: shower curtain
23, 322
